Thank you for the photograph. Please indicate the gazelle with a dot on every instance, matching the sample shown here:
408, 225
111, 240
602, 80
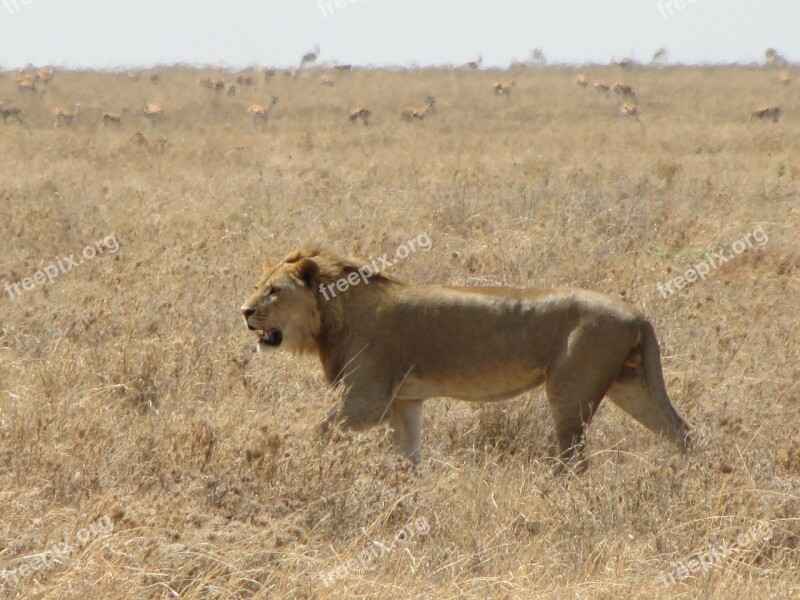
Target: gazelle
582, 80
310, 57
244, 79
475, 64
27, 84
114, 118
601, 87
261, 112
766, 112
10, 111
412, 112
325, 80
785, 77
503, 88
625, 91
65, 116
360, 113
152, 111
629, 110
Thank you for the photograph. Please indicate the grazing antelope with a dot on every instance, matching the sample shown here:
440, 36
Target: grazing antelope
310, 57
153, 112
360, 113
629, 110
502, 88
601, 87
475, 64
27, 84
231, 91
244, 79
112, 118
259, 111
766, 112
625, 91
773, 58
45, 74
412, 112
65, 116
325, 80
582, 80
211, 83
785, 77
10, 111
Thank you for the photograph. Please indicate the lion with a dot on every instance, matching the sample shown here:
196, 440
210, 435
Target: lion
392, 345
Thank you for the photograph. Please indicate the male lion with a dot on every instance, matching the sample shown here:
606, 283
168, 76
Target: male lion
394, 345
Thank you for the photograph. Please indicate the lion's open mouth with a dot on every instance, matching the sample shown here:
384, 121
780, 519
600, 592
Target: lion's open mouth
270, 337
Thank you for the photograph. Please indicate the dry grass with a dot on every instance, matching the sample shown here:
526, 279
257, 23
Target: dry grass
128, 387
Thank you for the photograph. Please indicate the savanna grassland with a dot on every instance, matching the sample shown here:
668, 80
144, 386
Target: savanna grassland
129, 387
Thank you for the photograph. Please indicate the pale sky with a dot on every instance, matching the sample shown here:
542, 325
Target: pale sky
121, 33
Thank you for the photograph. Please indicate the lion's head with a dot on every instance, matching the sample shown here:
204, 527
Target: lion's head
290, 304
283, 309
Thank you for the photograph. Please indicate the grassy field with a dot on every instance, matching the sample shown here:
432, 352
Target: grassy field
147, 452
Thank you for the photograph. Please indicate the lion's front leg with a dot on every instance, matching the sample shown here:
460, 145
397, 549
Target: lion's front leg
366, 404
407, 425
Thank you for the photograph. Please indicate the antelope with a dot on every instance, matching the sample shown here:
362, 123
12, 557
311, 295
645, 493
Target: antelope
244, 79
625, 91
773, 58
269, 73
231, 91
45, 74
412, 112
65, 116
601, 87
153, 111
310, 57
502, 88
766, 112
360, 113
259, 111
113, 118
154, 77
27, 84
582, 80
10, 111
629, 110
785, 77
475, 64
325, 80
343, 67
212, 84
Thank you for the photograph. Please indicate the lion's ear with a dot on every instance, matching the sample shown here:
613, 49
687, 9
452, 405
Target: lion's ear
268, 265
307, 270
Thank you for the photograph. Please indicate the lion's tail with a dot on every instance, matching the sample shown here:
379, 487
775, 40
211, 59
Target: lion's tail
678, 430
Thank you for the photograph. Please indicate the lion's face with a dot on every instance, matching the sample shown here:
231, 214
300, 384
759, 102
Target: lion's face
283, 309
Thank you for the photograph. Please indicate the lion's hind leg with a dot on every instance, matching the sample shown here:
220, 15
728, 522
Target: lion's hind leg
572, 406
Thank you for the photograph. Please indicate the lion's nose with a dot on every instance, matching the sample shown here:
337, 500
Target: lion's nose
248, 312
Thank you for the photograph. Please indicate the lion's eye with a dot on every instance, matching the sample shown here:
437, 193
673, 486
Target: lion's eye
273, 291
